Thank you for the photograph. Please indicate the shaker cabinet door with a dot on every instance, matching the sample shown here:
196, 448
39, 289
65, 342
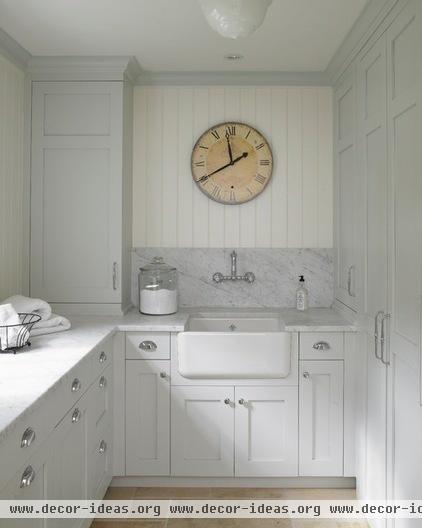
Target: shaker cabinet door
76, 216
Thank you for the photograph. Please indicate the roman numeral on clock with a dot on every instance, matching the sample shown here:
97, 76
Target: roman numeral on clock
260, 146
216, 192
231, 129
215, 134
264, 162
200, 164
232, 196
260, 179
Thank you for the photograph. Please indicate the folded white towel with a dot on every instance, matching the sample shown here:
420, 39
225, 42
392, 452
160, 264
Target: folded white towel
56, 323
29, 305
12, 335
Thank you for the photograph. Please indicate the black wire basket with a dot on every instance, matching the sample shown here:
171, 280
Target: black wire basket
14, 337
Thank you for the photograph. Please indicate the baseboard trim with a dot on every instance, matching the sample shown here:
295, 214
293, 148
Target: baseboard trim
238, 482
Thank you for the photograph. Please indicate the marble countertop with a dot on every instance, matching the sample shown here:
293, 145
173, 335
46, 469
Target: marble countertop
26, 378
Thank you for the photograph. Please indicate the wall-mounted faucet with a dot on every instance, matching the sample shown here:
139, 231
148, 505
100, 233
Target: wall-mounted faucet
247, 277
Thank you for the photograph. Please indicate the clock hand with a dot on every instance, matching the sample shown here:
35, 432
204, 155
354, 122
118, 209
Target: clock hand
206, 176
229, 147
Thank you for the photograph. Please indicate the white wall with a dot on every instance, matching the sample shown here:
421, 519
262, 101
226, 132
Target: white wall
295, 210
13, 188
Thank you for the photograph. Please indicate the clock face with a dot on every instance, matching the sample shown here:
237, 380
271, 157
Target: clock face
232, 163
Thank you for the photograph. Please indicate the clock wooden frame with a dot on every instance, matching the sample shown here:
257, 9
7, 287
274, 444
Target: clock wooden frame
232, 162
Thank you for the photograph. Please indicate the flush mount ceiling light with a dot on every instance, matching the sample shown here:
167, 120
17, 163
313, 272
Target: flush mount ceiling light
235, 18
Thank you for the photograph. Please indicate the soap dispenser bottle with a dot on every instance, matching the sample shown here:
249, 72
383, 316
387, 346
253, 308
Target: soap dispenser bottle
301, 295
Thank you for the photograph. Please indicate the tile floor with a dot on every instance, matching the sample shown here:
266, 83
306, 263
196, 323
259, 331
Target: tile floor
228, 493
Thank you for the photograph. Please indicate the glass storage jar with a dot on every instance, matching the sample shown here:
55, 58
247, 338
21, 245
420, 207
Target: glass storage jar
157, 288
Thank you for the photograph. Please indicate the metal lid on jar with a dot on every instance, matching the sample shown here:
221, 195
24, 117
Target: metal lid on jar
157, 264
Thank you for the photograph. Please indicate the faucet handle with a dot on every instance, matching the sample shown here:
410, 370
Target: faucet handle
217, 277
249, 277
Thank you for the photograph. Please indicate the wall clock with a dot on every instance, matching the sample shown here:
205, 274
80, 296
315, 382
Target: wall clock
232, 163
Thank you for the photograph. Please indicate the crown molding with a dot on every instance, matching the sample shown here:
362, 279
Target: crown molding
13, 51
377, 14
97, 68
254, 78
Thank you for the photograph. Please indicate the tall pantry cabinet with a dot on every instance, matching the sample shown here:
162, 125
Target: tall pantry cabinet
81, 178
386, 77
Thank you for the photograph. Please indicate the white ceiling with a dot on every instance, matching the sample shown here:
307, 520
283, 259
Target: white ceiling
172, 35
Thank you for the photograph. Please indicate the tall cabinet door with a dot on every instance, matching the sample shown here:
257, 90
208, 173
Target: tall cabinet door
76, 214
372, 129
346, 191
321, 418
404, 40
202, 431
147, 417
266, 431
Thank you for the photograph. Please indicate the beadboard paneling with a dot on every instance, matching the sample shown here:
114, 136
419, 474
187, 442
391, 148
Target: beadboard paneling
295, 210
13, 190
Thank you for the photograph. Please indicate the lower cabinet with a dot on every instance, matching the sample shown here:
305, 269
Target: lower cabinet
266, 431
202, 431
147, 417
321, 418
227, 431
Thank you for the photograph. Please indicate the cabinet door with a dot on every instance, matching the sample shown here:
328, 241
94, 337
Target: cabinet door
346, 191
321, 418
76, 188
266, 431
202, 431
147, 417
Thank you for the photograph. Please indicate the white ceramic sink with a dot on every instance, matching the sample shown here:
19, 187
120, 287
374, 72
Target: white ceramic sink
233, 346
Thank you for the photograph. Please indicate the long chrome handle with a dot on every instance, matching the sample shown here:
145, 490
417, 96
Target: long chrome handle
28, 437
376, 332
349, 281
148, 346
384, 341
321, 345
76, 385
76, 416
114, 275
28, 477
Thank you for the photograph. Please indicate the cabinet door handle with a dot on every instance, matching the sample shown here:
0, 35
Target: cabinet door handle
148, 346
103, 382
376, 332
227, 401
28, 477
349, 281
103, 357
321, 345
114, 275
243, 402
103, 447
76, 416
163, 375
384, 340
76, 385
306, 375
28, 437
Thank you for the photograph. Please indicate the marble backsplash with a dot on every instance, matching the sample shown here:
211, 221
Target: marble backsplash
276, 272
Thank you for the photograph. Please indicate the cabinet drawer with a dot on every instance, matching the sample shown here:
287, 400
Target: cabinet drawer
321, 345
142, 345
101, 402
99, 465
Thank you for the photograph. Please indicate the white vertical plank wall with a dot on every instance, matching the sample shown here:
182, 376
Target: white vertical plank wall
13, 186
295, 210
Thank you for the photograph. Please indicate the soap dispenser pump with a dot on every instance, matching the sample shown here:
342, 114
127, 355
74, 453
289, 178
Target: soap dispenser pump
301, 295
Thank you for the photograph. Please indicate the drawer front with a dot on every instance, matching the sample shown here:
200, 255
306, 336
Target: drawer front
143, 345
101, 402
102, 357
100, 464
321, 345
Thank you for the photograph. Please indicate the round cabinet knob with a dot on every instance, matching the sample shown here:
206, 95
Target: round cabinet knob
242, 401
227, 401
28, 477
306, 375
103, 382
103, 447
103, 357
148, 346
76, 416
76, 385
163, 375
28, 437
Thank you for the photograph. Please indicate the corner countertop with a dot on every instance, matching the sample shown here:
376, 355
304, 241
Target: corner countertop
26, 378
